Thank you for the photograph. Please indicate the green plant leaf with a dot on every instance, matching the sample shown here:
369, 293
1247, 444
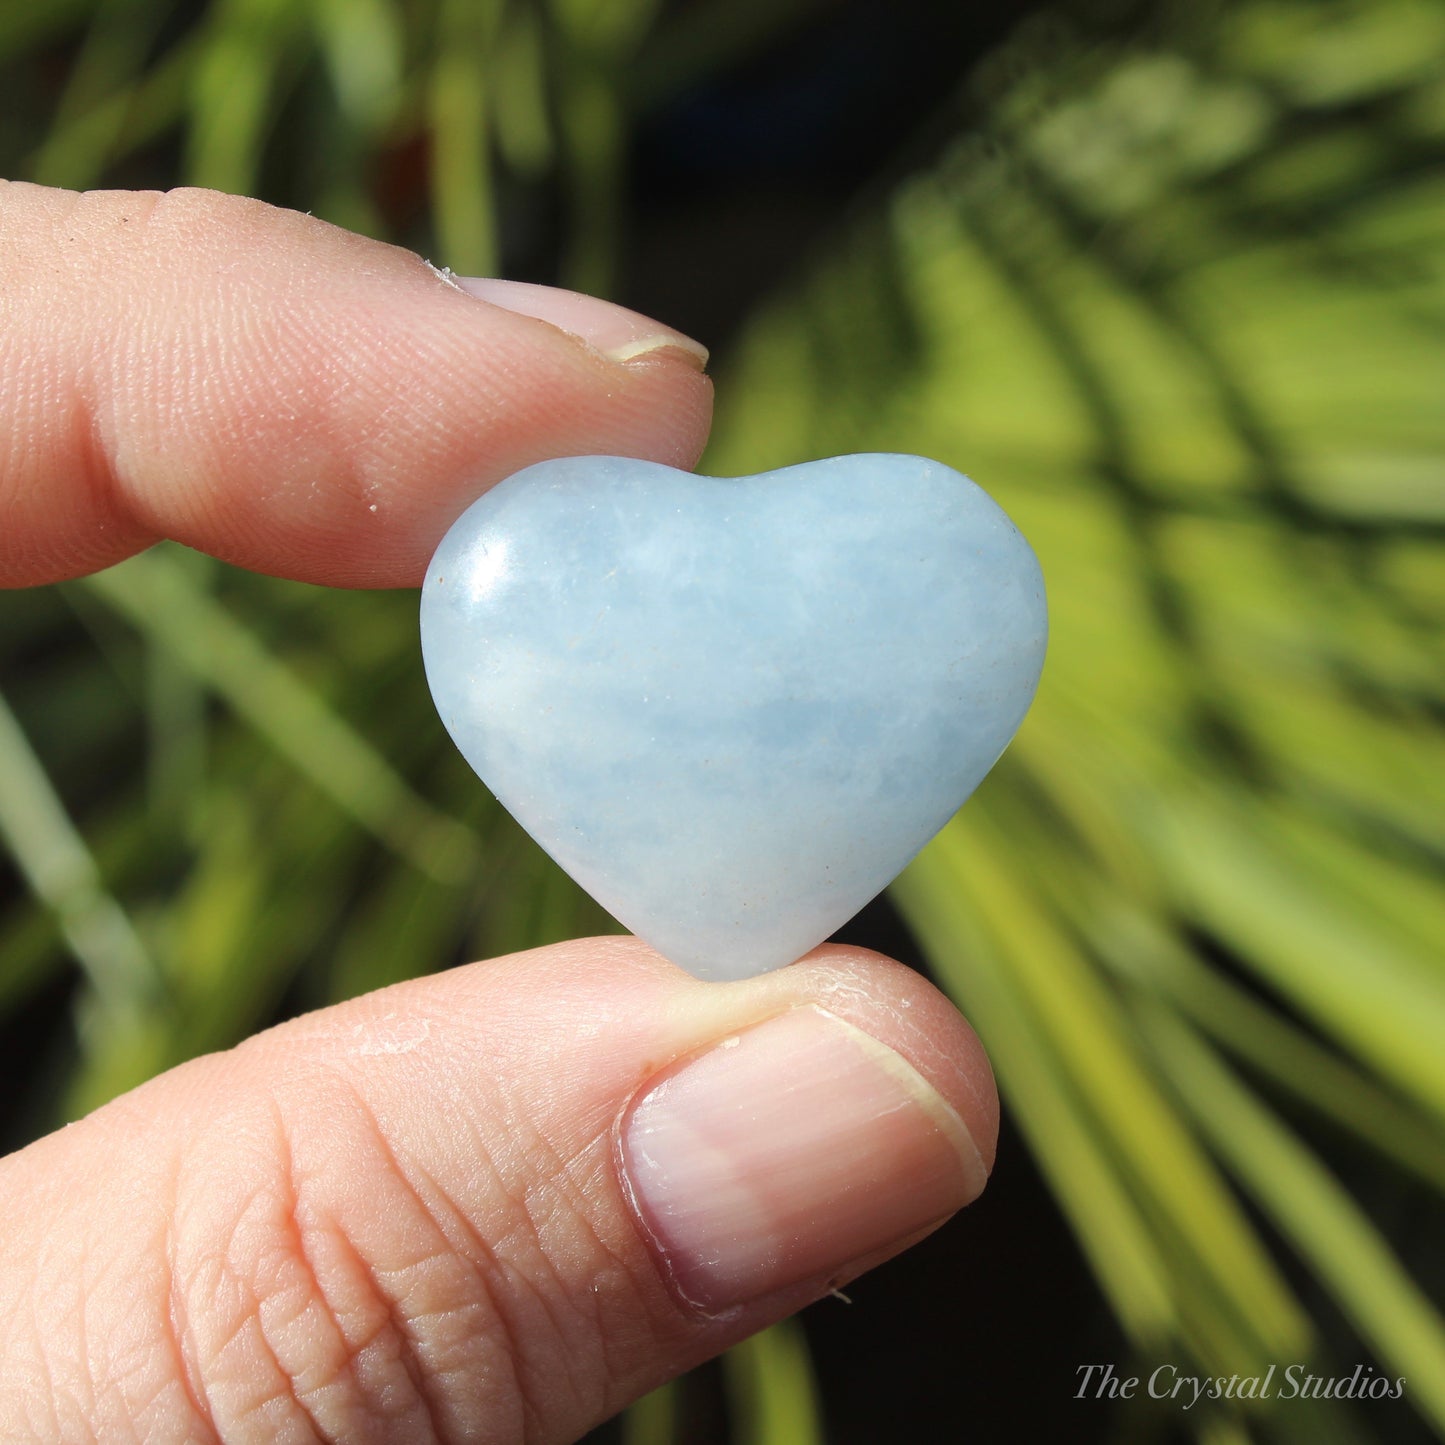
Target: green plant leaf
771, 1390
62, 872
1315, 1213
158, 598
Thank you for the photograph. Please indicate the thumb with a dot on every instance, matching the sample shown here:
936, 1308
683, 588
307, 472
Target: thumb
492, 1205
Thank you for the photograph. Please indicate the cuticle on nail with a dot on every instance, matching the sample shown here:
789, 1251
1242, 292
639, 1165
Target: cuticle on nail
799, 1148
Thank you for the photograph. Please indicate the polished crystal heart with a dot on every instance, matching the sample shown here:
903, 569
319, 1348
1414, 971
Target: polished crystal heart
733, 708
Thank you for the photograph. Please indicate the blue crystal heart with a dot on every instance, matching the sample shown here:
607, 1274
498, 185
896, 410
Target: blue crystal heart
733, 709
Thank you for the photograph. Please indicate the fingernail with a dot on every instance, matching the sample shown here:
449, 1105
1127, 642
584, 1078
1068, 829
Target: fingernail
615, 331
787, 1152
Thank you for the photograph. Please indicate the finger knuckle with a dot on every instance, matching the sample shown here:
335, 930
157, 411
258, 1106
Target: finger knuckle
290, 1334
324, 1296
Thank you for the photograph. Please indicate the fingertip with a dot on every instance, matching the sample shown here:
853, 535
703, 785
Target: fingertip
844, 1115
612, 330
658, 1012
288, 396
902, 1009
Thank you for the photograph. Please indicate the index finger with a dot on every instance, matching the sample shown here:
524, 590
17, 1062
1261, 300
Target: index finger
286, 395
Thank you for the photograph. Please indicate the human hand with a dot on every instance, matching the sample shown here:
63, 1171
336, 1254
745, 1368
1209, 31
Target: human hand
494, 1204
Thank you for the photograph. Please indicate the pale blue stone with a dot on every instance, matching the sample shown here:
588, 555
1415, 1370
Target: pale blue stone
733, 708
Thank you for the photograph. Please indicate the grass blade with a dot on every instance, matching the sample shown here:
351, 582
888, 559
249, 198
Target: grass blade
158, 598
1110, 1229
1325, 1225
1273, 1047
1307, 943
361, 42
1087, 1032
652, 1420
461, 146
771, 1389
58, 866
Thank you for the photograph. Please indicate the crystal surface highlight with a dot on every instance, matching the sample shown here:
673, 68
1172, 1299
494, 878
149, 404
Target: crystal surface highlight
733, 709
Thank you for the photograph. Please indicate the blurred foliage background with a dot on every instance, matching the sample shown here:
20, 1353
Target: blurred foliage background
1169, 280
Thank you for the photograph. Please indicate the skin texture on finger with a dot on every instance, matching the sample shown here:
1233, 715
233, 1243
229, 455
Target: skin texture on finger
281, 393
408, 1218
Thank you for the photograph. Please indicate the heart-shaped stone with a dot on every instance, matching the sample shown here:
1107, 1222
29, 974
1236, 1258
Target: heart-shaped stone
733, 709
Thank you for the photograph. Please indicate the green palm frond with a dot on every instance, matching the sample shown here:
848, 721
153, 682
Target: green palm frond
1176, 297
